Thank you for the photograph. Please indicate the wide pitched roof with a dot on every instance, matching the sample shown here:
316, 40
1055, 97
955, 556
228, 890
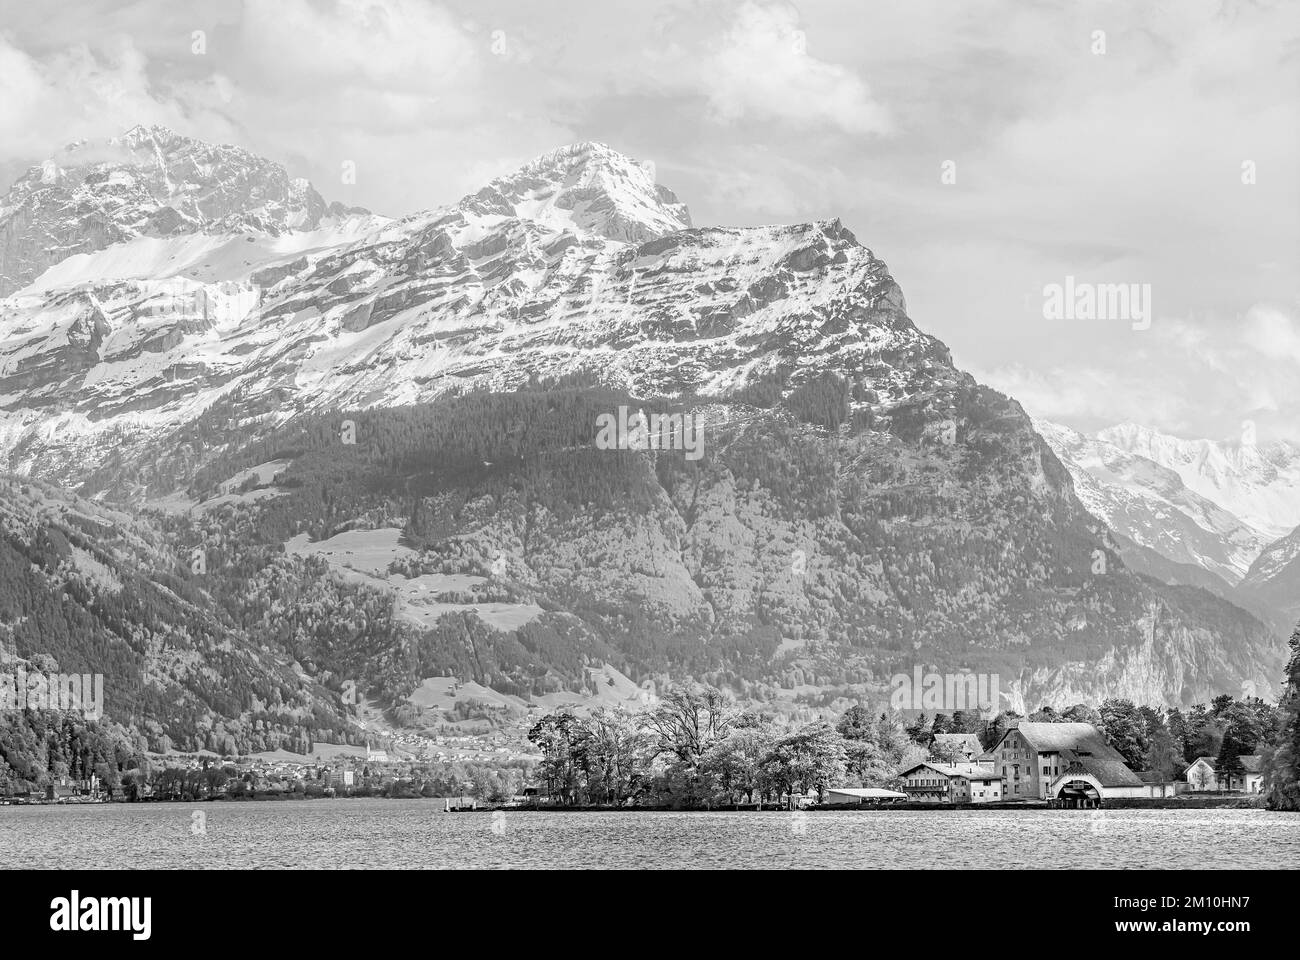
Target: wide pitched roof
1078, 738
1084, 745
955, 770
1109, 773
936, 767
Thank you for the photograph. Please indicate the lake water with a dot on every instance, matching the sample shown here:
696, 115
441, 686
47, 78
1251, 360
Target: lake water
413, 834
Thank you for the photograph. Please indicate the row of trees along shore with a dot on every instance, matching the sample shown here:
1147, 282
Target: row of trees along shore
697, 748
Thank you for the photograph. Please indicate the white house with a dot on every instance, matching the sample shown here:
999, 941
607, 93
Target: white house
983, 786
1202, 777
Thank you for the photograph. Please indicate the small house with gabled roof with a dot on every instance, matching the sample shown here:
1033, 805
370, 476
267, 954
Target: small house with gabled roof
1202, 776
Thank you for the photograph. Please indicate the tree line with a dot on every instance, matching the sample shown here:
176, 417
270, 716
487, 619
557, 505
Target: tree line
698, 748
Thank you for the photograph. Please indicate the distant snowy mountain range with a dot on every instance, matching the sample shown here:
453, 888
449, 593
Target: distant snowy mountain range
1232, 509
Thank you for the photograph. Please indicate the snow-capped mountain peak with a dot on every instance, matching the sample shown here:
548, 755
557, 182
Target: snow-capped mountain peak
147, 182
1150, 503
588, 188
577, 263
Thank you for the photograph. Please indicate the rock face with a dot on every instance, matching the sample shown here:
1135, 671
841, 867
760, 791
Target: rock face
862, 506
1272, 585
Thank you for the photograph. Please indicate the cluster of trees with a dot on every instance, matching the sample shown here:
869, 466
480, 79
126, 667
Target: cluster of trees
697, 748
39, 747
1284, 756
90, 592
494, 783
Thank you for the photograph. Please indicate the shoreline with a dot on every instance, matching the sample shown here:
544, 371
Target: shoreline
1130, 803
1119, 804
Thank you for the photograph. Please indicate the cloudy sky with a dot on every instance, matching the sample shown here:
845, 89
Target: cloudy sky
1112, 141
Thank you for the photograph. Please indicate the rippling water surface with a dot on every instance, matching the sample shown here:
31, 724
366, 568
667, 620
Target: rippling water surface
413, 834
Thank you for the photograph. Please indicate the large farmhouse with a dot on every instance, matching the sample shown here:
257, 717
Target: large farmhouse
1069, 763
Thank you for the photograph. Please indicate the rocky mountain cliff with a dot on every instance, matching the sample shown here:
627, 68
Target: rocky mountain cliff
1271, 587
434, 385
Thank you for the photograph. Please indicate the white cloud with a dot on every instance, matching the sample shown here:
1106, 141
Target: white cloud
1116, 168
1273, 335
1195, 377
390, 46
763, 68
84, 92
1086, 397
